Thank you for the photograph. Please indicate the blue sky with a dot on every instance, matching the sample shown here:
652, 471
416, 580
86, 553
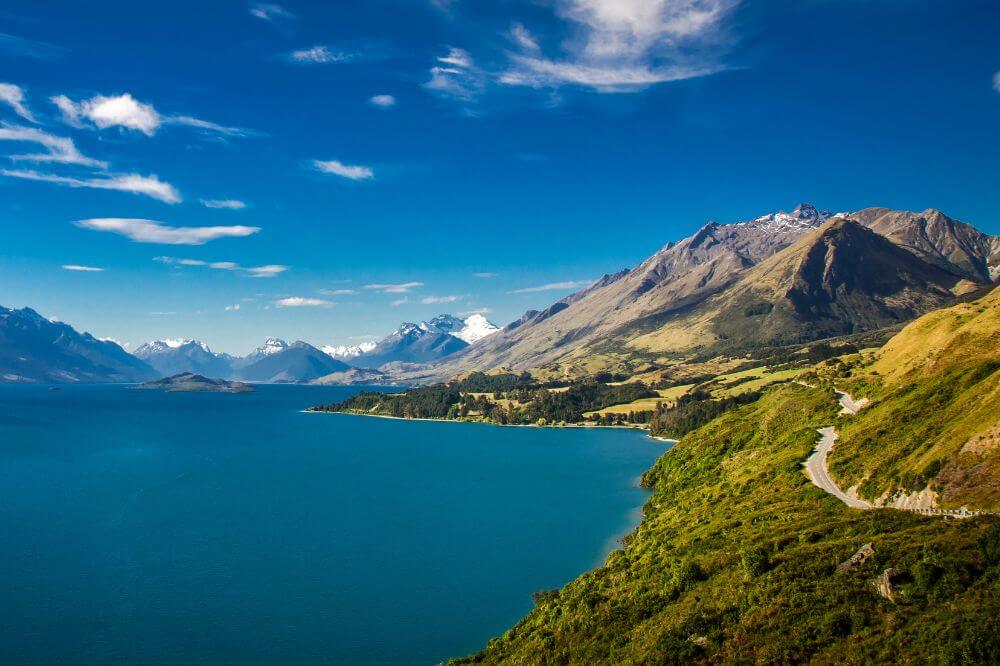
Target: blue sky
335, 168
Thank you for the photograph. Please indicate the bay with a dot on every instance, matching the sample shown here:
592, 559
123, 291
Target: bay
170, 528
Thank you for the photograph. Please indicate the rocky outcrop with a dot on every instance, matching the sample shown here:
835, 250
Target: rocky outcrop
858, 559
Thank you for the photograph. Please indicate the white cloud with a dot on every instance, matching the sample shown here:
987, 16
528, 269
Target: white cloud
394, 288
431, 300
149, 231
229, 204
300, 302
338, 168
13, 96
400, 301
232, 308
626, 45
484, 276
270, 12
321, 55
127, 112
150, 186
383, 101
338, 292
553, 286
162, 314
456, 75
59, 150
996, 82
82, 269
268, 271
523, 38
482, 311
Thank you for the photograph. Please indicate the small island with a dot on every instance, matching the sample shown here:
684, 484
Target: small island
189, 382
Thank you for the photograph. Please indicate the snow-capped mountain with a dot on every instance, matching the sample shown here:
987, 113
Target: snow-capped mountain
347, 352
173, 356
802, 218
271, 346
161, 346
470, 329
411, 343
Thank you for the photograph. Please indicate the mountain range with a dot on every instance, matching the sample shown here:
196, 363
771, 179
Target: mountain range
728, 289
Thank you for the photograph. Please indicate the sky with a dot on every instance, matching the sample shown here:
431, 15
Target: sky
323, 171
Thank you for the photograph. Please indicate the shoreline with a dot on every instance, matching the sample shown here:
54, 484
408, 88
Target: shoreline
497, 425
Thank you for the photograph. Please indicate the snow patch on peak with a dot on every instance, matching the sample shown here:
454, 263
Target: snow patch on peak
347, 351
272, 346
476, 328
167, 344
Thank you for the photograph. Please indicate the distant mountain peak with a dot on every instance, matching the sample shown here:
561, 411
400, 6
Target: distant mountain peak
166, 344
272, 346
803, 217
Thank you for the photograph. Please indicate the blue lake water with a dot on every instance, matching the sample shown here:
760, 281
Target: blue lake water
149, 527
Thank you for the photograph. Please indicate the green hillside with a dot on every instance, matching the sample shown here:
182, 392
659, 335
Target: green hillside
934, 421
736, 561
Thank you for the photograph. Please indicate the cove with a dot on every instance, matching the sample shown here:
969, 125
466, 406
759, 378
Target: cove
141, 526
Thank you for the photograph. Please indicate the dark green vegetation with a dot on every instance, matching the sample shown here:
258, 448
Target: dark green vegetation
692, 411
736, 558
503, 399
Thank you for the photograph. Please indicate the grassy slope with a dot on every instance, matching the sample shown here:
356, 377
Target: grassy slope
735, 559
935, 413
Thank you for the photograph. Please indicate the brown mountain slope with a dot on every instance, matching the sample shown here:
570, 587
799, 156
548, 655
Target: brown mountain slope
840, 279
938, 239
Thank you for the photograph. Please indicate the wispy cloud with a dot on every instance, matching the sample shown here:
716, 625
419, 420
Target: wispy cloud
228, 204
432, 300
338, 168
129, 113
232, 308
482, 311
400, 301
625, 45
13, 96
484, 276
383, 101
149, 231
302, 302
267, 271
59, 150
338, 292
149, 186
28, 48
322, 55
270, 12
552, 286
400, 288
456, 75
82, 269
996, 82
160, 313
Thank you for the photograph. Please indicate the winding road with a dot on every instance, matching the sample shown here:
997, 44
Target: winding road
815, 464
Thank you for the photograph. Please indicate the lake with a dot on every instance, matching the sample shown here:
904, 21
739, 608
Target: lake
141, 526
